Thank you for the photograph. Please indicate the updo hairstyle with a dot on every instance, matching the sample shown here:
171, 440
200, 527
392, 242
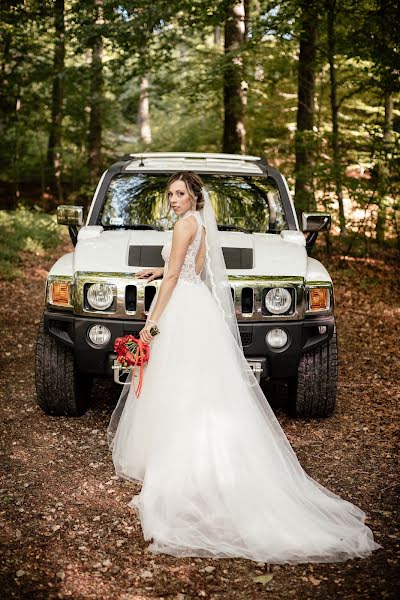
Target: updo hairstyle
193, 183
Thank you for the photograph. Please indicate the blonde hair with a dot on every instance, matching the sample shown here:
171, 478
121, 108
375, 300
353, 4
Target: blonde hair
193, 183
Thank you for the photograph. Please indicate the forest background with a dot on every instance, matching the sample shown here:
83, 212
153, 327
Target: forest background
312, 86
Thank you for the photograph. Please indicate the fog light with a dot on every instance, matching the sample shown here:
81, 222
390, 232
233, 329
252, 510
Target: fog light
99, 335
322, 328
276, 338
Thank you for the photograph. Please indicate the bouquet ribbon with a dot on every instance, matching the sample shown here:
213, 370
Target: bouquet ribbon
142, 356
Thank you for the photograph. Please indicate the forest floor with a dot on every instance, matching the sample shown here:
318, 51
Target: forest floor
66, 529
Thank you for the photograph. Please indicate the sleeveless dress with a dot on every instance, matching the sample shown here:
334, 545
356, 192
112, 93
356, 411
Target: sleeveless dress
218, 479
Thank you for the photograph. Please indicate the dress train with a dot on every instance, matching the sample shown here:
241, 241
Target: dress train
219, 477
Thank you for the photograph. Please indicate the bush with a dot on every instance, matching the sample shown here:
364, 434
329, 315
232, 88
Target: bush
25, 230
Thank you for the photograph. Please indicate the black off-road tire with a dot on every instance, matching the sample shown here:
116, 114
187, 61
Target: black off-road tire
313, 393
61, 390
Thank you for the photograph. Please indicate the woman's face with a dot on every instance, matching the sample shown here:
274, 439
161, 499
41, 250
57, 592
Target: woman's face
179, 197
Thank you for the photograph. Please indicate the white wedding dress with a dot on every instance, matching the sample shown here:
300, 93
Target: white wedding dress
219, 477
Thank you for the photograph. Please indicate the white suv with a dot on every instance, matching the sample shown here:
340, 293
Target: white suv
284, 298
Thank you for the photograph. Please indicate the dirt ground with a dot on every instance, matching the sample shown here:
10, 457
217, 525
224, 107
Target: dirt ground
67, 531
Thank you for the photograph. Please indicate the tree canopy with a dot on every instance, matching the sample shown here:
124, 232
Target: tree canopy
311, 86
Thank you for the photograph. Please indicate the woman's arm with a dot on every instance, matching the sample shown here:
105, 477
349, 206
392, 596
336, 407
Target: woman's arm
182, 234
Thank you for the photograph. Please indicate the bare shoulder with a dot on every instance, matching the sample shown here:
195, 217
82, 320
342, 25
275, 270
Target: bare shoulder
184, 227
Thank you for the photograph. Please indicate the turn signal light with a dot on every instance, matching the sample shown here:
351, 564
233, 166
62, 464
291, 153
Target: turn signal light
60, 293
318, 298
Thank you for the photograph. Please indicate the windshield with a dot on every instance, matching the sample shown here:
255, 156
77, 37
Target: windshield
138, 200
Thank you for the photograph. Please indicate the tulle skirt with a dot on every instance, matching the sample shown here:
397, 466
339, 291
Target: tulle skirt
219, 477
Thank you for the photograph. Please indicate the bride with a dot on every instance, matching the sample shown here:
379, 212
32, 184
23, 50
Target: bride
219, 477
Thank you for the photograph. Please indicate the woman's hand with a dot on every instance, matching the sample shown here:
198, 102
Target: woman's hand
145, 334
150, 274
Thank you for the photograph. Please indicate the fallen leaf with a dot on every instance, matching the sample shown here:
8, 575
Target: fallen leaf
146, 574
263, 579
209, 569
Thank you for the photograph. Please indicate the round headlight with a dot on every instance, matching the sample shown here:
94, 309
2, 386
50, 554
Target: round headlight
278, 300
99, 335
100, 296
276, 338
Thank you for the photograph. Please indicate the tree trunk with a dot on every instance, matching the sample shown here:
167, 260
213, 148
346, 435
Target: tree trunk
388, 126
246, 9
143, 117
234, 136
337, 169
96, 100
5, 100
54, 161
304, 141
383, 169
17, 152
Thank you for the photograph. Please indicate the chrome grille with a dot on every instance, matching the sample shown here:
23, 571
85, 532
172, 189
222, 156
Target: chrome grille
130, 299
250, 295
247, 301
134, 296
149, 293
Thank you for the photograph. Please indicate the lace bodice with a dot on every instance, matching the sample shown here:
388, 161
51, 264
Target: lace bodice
188, 271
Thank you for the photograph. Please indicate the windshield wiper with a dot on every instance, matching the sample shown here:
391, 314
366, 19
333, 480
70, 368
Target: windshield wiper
142, 226
233, 228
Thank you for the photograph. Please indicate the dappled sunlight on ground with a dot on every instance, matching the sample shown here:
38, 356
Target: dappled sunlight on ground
67, 529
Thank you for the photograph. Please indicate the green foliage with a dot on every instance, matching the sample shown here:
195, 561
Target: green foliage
31, 231
179, 46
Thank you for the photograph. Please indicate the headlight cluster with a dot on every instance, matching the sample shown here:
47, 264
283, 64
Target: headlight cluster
278, 300
100, 296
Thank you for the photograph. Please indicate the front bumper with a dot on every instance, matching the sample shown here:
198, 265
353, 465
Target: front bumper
304, 335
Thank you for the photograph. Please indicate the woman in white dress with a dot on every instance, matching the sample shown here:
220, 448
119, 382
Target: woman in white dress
219, 477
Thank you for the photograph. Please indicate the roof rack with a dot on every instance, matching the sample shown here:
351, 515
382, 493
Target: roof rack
204, 155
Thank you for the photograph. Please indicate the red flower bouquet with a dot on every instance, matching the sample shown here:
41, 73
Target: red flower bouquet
133, 353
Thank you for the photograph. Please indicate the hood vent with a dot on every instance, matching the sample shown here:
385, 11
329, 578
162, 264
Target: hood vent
150, 256
145, 256
238, 258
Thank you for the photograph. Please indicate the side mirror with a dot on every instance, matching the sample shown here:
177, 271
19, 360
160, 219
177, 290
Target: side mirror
316, 221
313, 223
69, 215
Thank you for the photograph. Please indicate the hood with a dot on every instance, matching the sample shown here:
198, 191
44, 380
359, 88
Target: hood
108, 251
283, 254
114, 251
